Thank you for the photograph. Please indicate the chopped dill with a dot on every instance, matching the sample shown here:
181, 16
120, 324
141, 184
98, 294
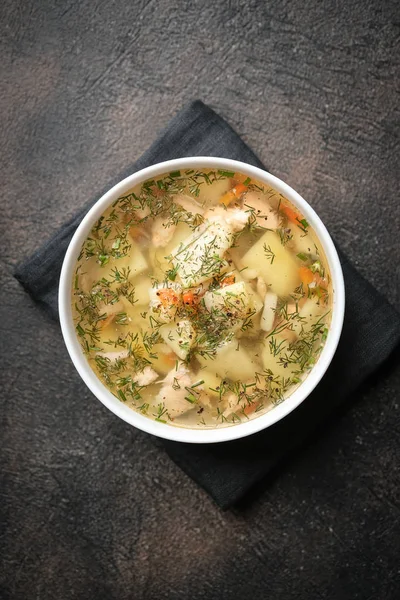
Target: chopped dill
285, 235
268, 253
197, 384
229, 174
191, 398
302, 256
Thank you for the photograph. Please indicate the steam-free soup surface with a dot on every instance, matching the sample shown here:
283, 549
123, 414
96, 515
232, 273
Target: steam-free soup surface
202, 298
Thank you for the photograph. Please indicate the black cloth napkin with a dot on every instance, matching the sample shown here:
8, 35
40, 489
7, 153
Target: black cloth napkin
371, 327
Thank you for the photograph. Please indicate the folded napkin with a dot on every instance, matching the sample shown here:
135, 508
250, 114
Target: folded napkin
371, 327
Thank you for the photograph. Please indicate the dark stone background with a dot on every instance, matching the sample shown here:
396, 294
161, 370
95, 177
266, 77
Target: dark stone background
91, 508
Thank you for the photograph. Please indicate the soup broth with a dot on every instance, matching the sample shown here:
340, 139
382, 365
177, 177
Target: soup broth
202, 298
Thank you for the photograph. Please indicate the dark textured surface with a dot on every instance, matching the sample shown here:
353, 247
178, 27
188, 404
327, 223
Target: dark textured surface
313, 88
371, 329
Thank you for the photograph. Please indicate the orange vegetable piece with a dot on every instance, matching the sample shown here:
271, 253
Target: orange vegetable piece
250, 408
228, 280
190, 298
233, 194
239, 189
306, 275
227, 198
168, 296
290, 213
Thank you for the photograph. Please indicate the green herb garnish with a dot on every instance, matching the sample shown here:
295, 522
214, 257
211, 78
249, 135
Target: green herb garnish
268, 253
302, 256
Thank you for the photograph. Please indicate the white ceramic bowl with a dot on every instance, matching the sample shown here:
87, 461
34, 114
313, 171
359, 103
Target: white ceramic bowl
169, 431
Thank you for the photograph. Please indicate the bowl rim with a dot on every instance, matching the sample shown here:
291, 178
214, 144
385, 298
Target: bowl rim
173, 432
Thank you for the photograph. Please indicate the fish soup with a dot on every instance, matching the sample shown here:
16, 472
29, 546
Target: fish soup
202, 299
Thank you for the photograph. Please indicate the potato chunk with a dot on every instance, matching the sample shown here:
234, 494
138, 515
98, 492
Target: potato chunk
239, 303
200, 256
233, 299
211, 382
274, 357
160, 257
141, 291
134, 261
179, 336
309, 314
270, 259
301, 242
231, 361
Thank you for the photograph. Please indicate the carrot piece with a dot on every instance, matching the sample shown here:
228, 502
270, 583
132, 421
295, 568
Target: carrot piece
250, 408
233, 194
228, 280
290, 213
239, 189
227, 198
168, 296
190, 298
306, 275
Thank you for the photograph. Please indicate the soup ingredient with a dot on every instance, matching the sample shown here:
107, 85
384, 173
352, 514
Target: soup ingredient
231, 361
306, 276
236, 300
260, 211
178, 393
275, 263
161, 235
179, 336
145, 377
165, 299
174, 391
268, 314
233, 194
200, 257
